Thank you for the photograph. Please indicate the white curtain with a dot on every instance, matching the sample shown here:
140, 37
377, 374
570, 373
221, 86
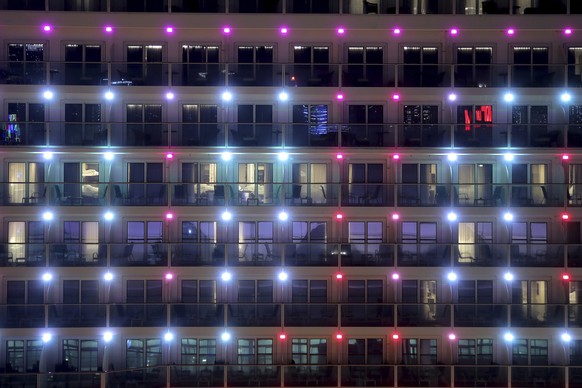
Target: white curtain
17, 177
90, 238
17, 239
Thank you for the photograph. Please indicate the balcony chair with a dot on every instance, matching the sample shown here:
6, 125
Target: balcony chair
219, 194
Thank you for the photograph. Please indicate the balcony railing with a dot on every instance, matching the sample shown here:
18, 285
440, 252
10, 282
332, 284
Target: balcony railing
335, 75
479, 315
77, 315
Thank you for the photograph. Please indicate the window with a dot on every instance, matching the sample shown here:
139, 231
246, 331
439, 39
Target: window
83, 6
255, 351
365, 66
26, 242
255, 125
311, 54
144, 238
145, 183
419, 351
365, 182
365, 351
419, 232
475, 351
365, 291
200, 53
574, 184
199, 231
255, 240
80, 291
309, 231
195, 351
255, 54
366, 125
475, 291
576, 352
24, 292
475, 127
144, 125
202, 177
142, 353
82, 125
476, 184
26, 182
259, 291
309, 351
26, 63
411, 294
194, 291
528, 240
23, 356
311, 126
81, 239
527, 183
80, 355
255, 183
530, 352
529, 127
144, 291
421, 67
530, 68
144, 53
365, 238
28, 124
81, 183
309, 291
199, 126
530, 291
419, 185
474, 66
83, 64
575, 292
310, 181
474, 240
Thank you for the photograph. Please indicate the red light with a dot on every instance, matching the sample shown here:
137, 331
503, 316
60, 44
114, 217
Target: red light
339, 216
565, 216
565, 157
565, 276
339, 336
339, 276
282, 336
395, 336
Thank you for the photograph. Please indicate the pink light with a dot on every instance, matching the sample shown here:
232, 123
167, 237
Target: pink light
395, 276
169, 156
108, 29
226, 30
395, 216
396, 96
169, 216
565, 216
568, 31
396, 31
396, 156
169, 276
282, 336
565, 276
339, 336
395, 336
452, 337
47, 28
339, 156
339, 276
341, 31
339, 216
169, 29
510, 31
454, 31
565, 157
339, 96
284, 30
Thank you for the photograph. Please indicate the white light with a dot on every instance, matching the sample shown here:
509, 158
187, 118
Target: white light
283, 216
168, 336
395, 276
109, 95
283, 96
225, 336
508, 157
47, 276
226, 96
47, 155
226, 276
108, 276
226, 156
46, 337
283, 276
566, 337
48, 95
226, 216
565, 97
283, 156
47, 216
108, 155
107, 336
508, 276
108, 216
508, 337
169, 96
452, 157
451, 216
508, 217
508, 97
452, 97
452, 276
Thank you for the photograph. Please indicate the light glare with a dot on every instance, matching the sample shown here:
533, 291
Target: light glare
225, 336
452, 157
226, 216
109, 95
108, 155
566, 337
283, 276
508, 157
108, 216
508, 217
226, 276
107, 336
46, 337
47, 155
508, 337
226, 96
566, 97
395, 276
508, 97
48, 95
169, 96
108, 276
452, 276
47, 216
452, 216
168, 336
283, 96
283, 156
283, 216
452, 97
47, 276
508, 276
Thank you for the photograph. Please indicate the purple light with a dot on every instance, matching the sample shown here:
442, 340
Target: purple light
568, 31
339, 96
169, 216
396, 96
169, 29
454, 31
510, 31
108, 29
341, 31
169, 156
226, 30
396, 31
169, 276
284, 30
47, 28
